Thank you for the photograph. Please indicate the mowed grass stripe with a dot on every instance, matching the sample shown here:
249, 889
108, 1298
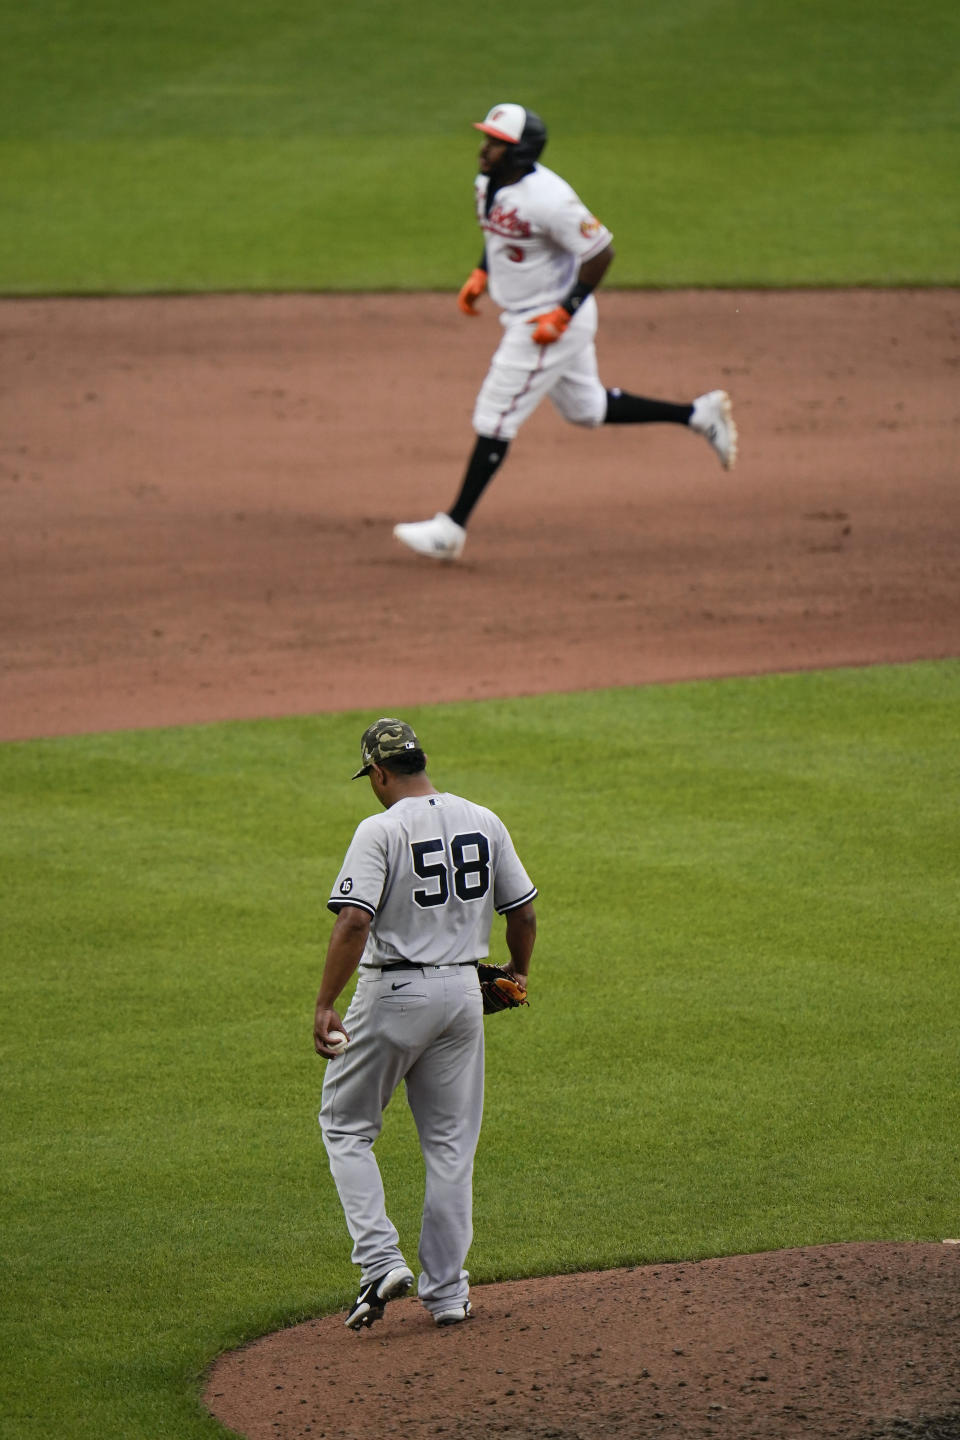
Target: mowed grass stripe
725, 142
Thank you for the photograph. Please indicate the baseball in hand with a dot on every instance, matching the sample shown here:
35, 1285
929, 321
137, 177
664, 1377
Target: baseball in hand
336, 1040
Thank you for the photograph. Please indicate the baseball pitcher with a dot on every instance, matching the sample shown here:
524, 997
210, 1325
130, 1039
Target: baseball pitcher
414, 901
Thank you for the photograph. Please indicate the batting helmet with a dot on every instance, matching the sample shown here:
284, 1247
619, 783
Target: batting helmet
521, 128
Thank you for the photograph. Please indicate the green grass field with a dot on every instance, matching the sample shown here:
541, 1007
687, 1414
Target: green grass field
725, 142
749, 887
754, 880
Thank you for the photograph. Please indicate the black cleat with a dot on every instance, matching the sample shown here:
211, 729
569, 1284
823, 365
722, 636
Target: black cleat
369, 1304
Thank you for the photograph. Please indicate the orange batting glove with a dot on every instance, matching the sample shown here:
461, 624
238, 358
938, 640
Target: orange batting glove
472, 291
550, 327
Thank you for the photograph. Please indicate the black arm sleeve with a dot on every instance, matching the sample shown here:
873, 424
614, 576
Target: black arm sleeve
576, 297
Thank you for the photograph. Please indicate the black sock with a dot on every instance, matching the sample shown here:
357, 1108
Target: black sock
481, 468
635, 410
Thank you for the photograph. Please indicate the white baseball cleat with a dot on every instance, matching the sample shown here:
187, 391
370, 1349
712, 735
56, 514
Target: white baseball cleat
456, 1316
713, 418
441, 538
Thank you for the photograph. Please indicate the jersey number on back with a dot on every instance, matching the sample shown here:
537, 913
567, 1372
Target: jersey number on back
468, 863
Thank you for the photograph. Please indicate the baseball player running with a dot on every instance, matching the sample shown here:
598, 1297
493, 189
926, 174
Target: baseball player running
414, 902
544, 255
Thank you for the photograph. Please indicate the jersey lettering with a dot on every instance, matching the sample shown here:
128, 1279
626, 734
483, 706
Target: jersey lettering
469, 861
471, 865
436, 874
507, 222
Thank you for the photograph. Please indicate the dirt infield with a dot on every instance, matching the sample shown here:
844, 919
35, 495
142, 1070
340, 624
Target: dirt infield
198, 496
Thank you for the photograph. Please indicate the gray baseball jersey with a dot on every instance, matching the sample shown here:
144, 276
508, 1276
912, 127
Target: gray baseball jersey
431, 870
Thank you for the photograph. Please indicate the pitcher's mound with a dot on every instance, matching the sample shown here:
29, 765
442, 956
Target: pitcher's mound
855, 1341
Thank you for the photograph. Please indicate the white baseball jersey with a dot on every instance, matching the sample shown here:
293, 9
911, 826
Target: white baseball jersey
538, 234
431, 870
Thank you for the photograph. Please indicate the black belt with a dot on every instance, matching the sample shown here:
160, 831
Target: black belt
411, 965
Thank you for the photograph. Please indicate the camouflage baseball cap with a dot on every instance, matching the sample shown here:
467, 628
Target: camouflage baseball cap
382, 740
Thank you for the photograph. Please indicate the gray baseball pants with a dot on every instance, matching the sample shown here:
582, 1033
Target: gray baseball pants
423, 1027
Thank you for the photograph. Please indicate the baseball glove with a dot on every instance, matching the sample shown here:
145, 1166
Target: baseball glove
499, 990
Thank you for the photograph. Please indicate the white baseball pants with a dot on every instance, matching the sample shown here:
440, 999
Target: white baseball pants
424, 1027
521, 373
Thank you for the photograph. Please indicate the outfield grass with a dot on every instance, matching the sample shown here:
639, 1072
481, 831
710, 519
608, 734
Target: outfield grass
748, 889
731, 142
